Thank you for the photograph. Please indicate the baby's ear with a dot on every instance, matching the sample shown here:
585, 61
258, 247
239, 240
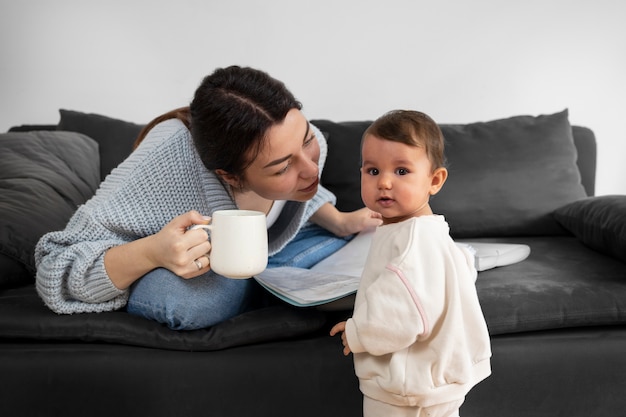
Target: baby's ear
438, 178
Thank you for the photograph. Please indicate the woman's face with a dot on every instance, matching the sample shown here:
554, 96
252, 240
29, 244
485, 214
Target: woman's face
287, 166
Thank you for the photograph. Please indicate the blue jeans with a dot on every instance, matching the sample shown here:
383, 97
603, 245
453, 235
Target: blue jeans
188, 304
311, 245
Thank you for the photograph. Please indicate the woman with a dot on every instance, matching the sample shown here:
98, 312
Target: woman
242, 143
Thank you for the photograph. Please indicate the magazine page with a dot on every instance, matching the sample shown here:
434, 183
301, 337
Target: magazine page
338, 275
306, 287
331, 279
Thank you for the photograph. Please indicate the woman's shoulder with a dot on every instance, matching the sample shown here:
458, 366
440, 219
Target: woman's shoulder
165, 131
168, 142
167, 148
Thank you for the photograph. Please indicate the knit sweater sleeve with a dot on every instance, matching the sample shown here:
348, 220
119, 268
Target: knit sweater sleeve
71, 277
130, 204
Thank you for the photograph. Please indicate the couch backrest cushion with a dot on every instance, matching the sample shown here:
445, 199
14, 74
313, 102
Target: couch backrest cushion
115, 137
44, 177
506, 177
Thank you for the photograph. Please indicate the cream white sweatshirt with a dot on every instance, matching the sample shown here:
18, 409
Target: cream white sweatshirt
418, 334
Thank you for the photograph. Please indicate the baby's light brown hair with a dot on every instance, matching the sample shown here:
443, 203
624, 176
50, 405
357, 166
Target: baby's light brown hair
412, 128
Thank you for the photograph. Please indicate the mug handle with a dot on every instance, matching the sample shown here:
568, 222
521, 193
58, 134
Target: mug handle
202, 226
208, 227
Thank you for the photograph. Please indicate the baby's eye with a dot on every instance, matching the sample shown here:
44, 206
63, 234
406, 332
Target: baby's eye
402, 171
372, 171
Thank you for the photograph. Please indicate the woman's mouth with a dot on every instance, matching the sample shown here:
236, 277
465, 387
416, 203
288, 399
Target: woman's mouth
311, 187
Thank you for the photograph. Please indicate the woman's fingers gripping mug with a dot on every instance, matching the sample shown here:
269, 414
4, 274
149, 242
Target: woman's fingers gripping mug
238, 242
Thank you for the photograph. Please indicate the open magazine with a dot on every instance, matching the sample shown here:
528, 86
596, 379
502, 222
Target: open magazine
306, 287
331, 279
338, 275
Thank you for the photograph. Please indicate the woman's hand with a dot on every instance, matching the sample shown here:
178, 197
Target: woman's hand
359, 220
175, 247
346, 223
341, 328
180, 249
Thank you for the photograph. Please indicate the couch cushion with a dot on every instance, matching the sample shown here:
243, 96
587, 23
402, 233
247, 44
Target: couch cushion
44, 176
506, 177
24, 316
115, 137
561, 284
599, 222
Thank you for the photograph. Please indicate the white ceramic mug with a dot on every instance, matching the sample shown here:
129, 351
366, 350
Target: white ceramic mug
238, 242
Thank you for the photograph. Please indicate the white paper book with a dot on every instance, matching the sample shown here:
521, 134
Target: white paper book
338, 275
331, 279
306, 287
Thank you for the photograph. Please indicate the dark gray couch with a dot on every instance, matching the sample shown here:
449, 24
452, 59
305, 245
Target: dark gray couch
557, 319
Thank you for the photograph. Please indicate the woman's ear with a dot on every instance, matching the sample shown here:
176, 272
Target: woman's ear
229, 179
438, 178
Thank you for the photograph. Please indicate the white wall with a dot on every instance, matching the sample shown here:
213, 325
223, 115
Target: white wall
460, 61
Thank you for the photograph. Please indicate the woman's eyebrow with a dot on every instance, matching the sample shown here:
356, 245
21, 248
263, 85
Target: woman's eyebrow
277, 161
306, 133
284, 158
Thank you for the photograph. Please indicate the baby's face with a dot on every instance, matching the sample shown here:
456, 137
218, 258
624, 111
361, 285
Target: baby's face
396, 179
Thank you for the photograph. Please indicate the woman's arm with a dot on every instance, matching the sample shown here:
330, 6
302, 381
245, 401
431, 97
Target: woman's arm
174, 248
345, 223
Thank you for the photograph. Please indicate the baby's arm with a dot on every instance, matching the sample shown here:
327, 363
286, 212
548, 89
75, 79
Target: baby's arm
341, 327
389, 318
345, 223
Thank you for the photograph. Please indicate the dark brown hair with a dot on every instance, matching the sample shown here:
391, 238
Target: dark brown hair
230, 114
181, 114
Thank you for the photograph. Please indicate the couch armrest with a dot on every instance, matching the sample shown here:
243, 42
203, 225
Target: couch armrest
598, 222
585, 141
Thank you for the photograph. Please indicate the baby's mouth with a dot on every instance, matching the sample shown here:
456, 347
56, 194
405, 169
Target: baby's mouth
385, 201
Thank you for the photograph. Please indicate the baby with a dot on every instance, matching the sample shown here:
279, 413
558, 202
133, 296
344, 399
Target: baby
418, 335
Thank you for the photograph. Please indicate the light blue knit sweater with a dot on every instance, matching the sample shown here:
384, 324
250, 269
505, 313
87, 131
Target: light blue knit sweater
160, 180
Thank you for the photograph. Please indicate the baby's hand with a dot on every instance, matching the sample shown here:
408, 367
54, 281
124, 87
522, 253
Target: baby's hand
341, 327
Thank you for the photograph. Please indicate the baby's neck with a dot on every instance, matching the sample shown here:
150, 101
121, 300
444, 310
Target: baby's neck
423, 210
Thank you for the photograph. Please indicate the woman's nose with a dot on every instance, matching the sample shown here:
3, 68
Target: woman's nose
309, 169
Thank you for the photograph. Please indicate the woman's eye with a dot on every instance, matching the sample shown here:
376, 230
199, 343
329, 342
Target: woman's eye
309, 140
285, 169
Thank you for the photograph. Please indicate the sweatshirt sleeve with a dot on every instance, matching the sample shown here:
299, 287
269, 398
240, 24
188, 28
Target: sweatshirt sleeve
389, 318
